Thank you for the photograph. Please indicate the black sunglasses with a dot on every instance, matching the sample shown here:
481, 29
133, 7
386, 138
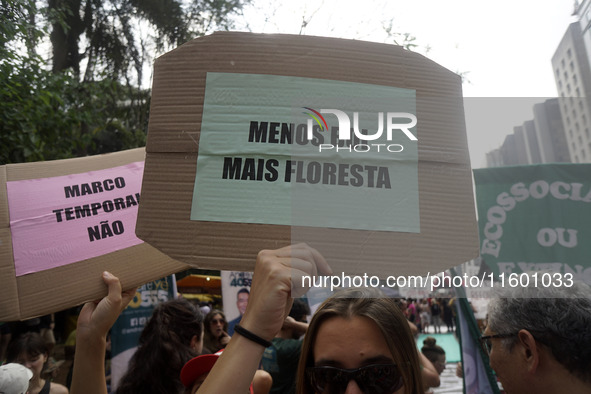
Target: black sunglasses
371, 379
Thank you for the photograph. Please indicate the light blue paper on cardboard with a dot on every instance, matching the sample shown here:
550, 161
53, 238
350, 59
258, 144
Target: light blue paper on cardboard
256, 163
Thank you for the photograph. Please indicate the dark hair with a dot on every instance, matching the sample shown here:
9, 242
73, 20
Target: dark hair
243, 290
558, 317
431, 350
211, 343
209, 317
389, 319
299, 310
163, 349
30, 343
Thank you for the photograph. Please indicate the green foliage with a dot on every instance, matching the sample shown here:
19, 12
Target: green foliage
55, 112
46, 116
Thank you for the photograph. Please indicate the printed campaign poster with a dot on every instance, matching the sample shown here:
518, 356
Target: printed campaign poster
535, 218
235, 295
126, 331
65, 219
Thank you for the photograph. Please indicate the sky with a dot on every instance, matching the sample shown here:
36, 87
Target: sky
503, 48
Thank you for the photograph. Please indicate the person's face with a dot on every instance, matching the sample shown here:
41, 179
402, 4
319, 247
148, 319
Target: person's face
349, 344
35, 363
242, 302
439, 364
506, 366
216, 325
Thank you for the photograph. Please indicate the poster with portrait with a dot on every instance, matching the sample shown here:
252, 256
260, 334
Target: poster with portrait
235, 295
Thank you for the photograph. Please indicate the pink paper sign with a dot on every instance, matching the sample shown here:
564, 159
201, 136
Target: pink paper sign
61, 220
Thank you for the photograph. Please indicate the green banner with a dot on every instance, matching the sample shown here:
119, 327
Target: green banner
535, 218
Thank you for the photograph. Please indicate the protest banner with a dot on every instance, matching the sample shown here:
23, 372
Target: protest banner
63, 223
258, 141
235, 295
535, 218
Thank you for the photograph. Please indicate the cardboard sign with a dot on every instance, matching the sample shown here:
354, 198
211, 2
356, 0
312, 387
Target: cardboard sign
258, 141
64, 222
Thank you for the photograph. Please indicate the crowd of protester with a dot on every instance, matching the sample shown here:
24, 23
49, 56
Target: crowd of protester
431, 314
356, 341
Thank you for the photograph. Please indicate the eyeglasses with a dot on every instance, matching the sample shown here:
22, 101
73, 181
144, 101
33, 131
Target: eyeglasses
371, 379
485, 341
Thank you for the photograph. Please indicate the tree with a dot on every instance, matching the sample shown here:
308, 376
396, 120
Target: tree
113, 32
58, 111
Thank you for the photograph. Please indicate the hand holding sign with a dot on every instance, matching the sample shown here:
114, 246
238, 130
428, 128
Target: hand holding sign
95, 320
275, 274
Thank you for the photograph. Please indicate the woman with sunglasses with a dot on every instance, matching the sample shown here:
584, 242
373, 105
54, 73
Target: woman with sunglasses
216, 332
359, 342
354, 344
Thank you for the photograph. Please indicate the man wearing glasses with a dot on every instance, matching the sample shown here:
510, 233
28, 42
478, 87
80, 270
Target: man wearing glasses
539, 339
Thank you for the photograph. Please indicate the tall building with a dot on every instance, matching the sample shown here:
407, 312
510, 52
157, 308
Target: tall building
521, 144
572, 72
550, 132
561, 128
540, 140
583, 13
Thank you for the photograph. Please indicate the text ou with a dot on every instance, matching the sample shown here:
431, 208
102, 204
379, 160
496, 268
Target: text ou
104, 230
548, 237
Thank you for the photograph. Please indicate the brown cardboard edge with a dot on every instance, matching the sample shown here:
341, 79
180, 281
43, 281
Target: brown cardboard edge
60, 288
268, 37
9, 303
46, 169
213, 53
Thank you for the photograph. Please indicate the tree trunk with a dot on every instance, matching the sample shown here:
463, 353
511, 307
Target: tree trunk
65, 34
31, 40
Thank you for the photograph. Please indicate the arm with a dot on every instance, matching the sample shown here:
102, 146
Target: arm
428, 371
269, 304
297, 326
95, 320
459, 370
